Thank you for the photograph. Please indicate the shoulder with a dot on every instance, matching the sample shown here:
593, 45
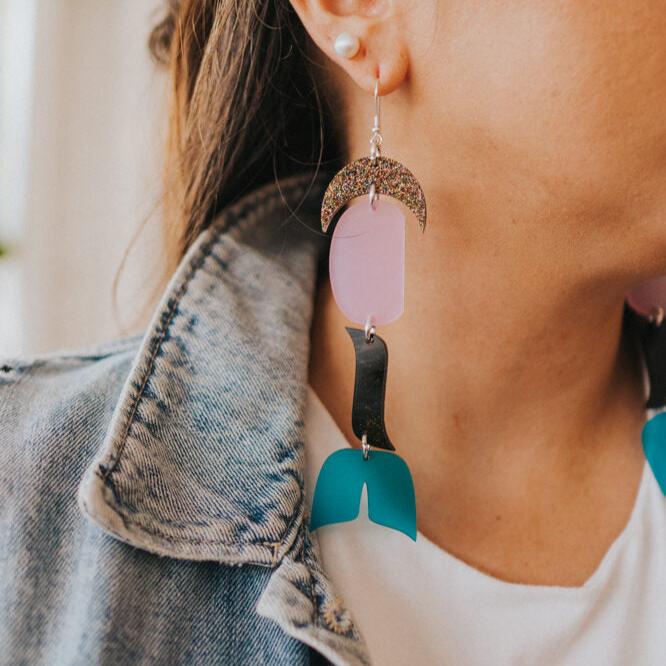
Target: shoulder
55, 412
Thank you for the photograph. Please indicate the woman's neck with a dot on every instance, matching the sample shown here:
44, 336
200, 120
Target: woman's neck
511, 393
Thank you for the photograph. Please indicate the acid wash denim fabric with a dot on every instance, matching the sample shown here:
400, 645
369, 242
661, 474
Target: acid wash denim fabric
151, 491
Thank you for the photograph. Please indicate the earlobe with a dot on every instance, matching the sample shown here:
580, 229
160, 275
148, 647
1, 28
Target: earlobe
367, 43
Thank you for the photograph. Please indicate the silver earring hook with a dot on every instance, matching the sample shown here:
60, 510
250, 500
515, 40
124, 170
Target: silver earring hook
376, 134
377, 107
375, 143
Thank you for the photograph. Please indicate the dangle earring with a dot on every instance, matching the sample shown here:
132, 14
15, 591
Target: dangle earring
645, 306
366, 268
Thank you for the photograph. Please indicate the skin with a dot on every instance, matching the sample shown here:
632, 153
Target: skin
536, 129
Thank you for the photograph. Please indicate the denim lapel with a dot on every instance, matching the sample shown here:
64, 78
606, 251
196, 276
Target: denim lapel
203, 459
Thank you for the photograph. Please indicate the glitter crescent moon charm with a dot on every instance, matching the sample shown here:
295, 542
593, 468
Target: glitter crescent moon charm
388, 176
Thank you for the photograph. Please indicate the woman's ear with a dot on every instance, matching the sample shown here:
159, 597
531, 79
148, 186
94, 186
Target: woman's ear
382, 51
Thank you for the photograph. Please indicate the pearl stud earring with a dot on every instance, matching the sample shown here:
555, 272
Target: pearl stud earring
346, 45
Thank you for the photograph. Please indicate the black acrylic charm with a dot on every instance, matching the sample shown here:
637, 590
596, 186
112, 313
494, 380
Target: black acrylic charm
370, 389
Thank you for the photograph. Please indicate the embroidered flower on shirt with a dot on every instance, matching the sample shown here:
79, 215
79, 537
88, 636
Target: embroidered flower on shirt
336, 616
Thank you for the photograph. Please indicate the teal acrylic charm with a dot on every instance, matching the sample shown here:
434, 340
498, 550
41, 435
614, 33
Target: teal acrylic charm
654, 447
390, 490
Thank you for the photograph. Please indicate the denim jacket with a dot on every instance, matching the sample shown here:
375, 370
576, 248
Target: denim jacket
152, 506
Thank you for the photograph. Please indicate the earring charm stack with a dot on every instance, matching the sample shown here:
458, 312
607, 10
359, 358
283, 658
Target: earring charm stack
366, 268
646, 305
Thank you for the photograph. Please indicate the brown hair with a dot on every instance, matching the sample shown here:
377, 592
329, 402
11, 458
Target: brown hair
245, 107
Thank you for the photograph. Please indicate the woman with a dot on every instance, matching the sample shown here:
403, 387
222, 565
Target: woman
515, 394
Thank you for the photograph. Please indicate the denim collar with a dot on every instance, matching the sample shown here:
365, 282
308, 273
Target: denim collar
203, 459
204, 456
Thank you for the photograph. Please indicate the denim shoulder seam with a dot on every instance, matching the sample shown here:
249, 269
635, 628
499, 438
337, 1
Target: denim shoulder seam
85, 355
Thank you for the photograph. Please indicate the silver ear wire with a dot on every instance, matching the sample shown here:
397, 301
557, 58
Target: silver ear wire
375, 143
376, 135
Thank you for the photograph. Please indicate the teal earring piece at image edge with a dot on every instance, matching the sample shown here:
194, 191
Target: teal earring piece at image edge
654, 447
390, 490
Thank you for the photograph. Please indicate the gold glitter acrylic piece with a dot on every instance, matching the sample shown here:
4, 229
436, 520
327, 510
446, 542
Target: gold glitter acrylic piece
389, 177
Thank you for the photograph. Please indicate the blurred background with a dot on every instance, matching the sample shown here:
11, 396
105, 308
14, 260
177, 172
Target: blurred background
82, 119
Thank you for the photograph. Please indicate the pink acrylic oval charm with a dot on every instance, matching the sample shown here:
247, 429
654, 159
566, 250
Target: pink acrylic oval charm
367, 262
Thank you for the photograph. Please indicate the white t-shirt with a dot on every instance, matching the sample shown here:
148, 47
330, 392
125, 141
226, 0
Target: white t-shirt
417, 604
